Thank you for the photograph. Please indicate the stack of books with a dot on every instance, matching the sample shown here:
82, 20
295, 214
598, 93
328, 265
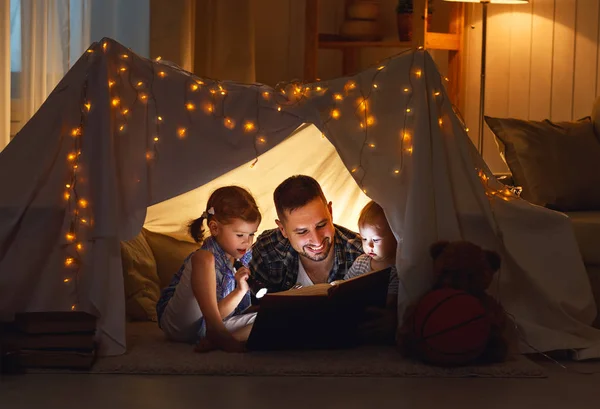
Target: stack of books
62, 339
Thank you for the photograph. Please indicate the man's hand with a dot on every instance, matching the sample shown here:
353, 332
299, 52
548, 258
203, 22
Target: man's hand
378, 325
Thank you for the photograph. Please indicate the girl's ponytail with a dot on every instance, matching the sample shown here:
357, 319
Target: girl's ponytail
196, 230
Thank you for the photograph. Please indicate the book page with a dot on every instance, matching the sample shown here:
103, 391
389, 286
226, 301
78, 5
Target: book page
313, 290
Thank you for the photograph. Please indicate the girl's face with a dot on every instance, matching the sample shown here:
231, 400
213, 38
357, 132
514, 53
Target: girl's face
378, 242
235, 237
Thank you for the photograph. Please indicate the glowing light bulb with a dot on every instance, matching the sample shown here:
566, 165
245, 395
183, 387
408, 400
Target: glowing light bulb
190, 107
110, 83
406, 136
350, 85
125, 111
158, 58
121, 128
123, 69
338, 97
262, 139
409, 149
115, 102
143, 97
418, 73
67, 280
71, 156
67, 195
68, 186
104, 45
370, 120
209, 108
194, 87
335, 113
79, 246
406, 90
362, 104
69, 261
149, 155
76, 132
375, 86
371, 145
381, 67
199, 82
213, 91
318, 88
87, 106
73, 307
440, 121
70, 236
266, 95
223, 92
229, 123
159, 118
124, 56
162, 74
437, 93
408, 110
83, 203
156, 139
140, 83
249, 126
396, 171
90, 51
353, 170
83, 221
279, 109
181, 132
365, 191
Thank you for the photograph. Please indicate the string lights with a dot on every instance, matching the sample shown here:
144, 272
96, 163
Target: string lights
208, 97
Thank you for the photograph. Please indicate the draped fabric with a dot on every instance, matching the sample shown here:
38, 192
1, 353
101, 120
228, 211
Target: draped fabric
150, 132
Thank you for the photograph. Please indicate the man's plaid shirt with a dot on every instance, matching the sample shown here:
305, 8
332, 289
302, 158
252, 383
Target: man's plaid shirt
275, 262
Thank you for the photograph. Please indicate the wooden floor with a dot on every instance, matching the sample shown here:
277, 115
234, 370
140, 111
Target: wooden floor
562, 389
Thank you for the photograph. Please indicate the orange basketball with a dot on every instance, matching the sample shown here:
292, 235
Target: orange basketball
451, 327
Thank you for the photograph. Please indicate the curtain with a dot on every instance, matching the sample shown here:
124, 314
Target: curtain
4, 73
211, 38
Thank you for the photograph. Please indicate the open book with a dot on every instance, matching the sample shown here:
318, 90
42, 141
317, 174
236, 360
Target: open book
318, 316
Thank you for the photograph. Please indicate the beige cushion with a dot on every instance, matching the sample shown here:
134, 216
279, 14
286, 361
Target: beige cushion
586, 226
142, 285
556, 164
169, 254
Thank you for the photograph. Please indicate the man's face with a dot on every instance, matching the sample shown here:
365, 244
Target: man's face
309, 229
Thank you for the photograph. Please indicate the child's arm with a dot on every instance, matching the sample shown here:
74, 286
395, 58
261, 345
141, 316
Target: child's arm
227, 305
204, 286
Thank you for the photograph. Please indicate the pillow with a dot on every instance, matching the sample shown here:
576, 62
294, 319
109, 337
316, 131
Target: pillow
556, 164
142, 285
169, 254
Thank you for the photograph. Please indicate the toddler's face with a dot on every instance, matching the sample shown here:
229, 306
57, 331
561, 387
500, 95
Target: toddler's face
235, 237
378, 242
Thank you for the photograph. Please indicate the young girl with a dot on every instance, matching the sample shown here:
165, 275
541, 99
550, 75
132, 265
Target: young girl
379, 245
206, 298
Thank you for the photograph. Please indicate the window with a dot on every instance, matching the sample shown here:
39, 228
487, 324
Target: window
15, 47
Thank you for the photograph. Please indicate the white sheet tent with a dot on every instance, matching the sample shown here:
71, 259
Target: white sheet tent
121, 133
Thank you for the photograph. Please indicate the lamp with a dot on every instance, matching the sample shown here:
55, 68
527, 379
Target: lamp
484, 4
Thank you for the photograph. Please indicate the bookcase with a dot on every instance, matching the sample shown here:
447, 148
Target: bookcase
451, 41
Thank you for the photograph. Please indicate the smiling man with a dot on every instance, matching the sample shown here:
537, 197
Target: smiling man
306, 248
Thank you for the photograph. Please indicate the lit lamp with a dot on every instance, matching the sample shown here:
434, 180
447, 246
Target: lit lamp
484, 4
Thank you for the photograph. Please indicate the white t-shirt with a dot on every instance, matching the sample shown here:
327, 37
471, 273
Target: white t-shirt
303, 278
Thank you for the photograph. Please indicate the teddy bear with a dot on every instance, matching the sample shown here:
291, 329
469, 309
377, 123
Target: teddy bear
464, 266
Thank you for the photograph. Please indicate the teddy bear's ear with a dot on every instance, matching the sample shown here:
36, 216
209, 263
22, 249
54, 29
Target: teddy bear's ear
493, 259
437, 248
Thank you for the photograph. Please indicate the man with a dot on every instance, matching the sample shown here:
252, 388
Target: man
306, 248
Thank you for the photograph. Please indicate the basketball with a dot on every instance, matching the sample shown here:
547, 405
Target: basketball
451, 327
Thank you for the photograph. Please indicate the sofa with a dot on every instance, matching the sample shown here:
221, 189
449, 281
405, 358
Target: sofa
557, 165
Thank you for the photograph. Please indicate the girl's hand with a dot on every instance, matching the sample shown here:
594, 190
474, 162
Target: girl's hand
241, 278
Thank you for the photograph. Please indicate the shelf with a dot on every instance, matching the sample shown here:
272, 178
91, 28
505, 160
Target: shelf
364, 44
434, 41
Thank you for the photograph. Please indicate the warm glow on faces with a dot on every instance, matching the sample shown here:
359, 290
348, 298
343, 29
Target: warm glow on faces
310, 229
378, 241
235, 237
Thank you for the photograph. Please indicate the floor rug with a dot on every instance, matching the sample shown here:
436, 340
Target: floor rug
149, 353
